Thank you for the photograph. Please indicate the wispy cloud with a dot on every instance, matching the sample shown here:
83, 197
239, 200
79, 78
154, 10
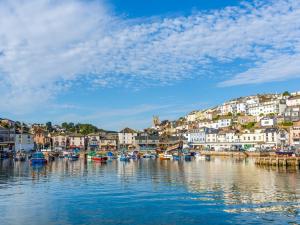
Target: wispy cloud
48, 46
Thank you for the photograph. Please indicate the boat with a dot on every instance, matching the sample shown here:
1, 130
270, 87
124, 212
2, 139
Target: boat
176, 157
124, 158
38, 158
198, 156
187, 157
73, 157
100, 158
20, 156
90, 155
165, 156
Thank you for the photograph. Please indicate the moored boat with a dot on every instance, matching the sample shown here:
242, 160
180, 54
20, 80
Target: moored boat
165, 156
124, 158
38, 158
99, 158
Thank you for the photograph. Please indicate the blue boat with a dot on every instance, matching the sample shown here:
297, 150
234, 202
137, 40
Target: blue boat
188, 157
38, 158
73, 157
176, 157
124, 158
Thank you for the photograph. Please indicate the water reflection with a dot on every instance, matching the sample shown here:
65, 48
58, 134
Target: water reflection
222, 186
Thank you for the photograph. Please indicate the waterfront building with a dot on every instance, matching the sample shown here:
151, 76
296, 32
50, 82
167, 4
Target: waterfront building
294, 135
93, 141
252, 137
211, 136
60, 142
145, 141
109, 141
41, 137
77, 141
271, 138
197, 136
7, 135
126, 138
24, 142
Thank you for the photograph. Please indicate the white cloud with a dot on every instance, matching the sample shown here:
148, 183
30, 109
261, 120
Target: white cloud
46, 46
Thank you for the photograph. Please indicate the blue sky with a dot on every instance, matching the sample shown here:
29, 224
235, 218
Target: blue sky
116, 63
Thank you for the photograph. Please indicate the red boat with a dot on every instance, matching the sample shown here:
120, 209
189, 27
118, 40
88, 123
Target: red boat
100, 158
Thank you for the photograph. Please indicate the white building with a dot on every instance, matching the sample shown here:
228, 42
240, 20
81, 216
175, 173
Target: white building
60, 142
191, 117
196, 136
24, 142
126, 137
225, 122
77, 141
293, 101
267, 107
267, 121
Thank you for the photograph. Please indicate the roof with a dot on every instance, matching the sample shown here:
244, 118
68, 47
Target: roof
148, 137
271, 130
128, 130
294, 97
76, 135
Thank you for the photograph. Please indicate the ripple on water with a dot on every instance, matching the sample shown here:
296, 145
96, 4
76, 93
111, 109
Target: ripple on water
148, 192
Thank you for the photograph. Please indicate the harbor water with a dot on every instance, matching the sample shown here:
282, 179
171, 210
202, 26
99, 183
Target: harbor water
148, 191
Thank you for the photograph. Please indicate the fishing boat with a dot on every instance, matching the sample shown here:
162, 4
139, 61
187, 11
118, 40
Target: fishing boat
199, 156
38, 158
73, 157
124, 158
99, 158
90, 155
165, 156
187, 157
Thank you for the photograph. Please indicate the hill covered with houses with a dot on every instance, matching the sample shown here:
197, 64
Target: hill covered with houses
257, 122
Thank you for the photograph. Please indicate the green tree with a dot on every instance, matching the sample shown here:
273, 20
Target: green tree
49, 126
286, 93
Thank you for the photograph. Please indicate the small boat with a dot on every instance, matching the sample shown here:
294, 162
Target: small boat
187, 157
73, 157
176, 157
38, 158
200, 157
124, 158
99, 158
165, 156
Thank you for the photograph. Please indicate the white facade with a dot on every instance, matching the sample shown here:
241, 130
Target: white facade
191, 117
126, 138
224, 123
77, 141
196, 136
24, 142
266, 122
265, 108
293, 101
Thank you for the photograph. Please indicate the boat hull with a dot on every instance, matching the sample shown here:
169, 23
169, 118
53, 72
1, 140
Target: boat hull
38, 161
99, 159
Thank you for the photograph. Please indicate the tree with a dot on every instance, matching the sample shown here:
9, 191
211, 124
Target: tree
286, 93
49, 126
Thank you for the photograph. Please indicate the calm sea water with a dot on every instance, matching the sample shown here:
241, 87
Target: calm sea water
222, 191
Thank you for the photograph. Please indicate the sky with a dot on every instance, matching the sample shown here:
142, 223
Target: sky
116, 63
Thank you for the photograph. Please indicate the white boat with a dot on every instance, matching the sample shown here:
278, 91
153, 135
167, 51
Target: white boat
198, 156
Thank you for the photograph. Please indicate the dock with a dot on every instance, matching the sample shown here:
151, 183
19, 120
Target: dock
280, 161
